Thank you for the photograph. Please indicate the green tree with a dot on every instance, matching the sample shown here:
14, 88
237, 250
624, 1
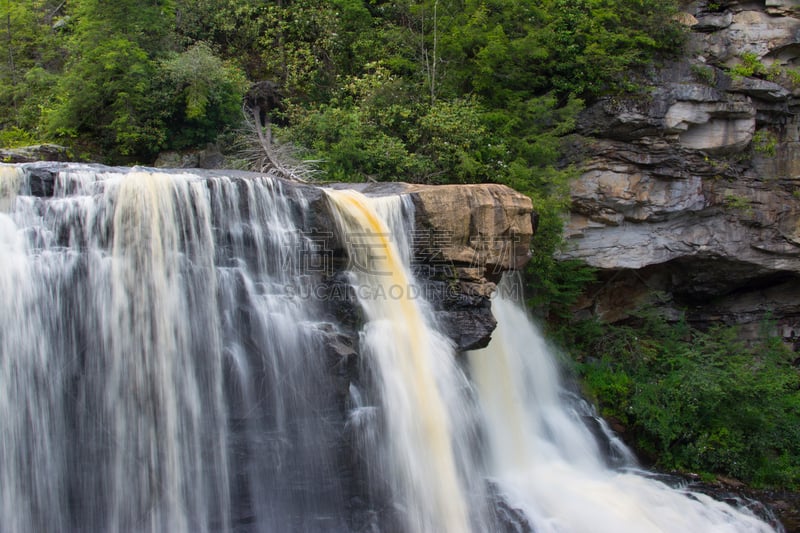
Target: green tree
31, 56
107, 95
594, 46
699, 401
232, 27
298, 45
206, 95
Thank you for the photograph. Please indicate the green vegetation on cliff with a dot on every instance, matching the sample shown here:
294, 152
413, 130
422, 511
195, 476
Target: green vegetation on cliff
696, 401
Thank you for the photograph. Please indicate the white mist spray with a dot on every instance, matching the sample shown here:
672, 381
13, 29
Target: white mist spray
546, 463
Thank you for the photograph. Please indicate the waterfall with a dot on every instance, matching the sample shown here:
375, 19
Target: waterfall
190, 353
547, 464
416, 377
156, 371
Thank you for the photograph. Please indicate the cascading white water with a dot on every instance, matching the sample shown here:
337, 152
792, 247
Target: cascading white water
419, 386
155, 374
31, 415
546, 463
165, 366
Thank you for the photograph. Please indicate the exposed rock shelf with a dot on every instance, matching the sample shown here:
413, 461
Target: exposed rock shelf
691, 191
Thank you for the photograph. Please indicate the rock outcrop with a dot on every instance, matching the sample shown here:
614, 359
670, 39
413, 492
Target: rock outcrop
209, 157
38, 152
465, 237
690, 195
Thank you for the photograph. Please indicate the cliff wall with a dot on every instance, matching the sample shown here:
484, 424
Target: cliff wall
690, 193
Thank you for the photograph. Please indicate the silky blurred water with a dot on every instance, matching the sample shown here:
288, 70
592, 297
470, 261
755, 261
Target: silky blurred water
166, 366
155, 374
547, 463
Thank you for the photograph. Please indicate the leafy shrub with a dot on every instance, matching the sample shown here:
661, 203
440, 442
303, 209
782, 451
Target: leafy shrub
750, 65
765, 142
205, 95
107, 96
697, 401
705, 73
739, 203
14, 137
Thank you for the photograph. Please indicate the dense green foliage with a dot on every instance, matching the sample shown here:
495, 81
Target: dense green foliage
202, 94
32, 60
109, 79
697, 401
105, 91
433, 90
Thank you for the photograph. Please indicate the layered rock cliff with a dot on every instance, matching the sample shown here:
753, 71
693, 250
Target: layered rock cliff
689, 194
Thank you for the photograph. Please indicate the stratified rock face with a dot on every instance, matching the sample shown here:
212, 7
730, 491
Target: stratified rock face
480, 231
693, 189
783, 7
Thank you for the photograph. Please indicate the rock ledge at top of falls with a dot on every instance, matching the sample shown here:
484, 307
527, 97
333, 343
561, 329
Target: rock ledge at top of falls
464, 238
691, 190
480, 229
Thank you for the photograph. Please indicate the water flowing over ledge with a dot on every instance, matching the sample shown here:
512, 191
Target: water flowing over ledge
462, 237
233, 352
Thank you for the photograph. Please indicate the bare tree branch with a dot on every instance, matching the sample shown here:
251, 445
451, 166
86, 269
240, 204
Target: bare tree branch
264, 154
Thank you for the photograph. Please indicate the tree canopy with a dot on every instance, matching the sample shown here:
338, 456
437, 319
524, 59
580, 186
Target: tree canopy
433, 90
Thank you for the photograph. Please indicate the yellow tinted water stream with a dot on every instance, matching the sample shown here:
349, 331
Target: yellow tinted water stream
416, 413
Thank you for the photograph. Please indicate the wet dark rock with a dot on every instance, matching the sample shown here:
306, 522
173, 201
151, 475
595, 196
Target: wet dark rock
42, 182
466, 317
508, 518
777, 508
